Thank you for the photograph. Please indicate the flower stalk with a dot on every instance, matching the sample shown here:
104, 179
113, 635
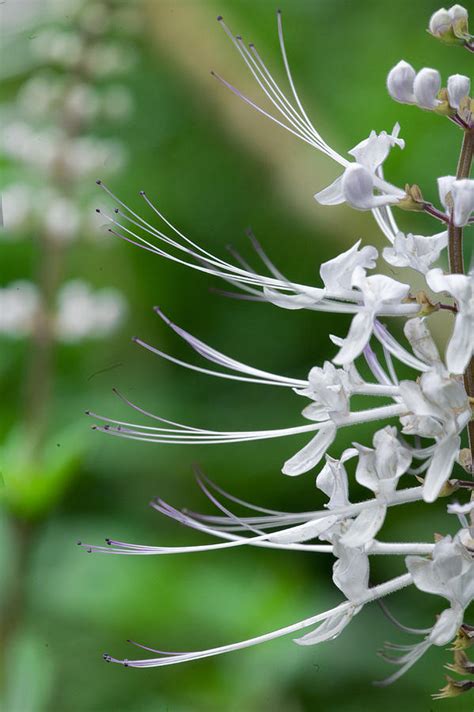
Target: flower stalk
456, 259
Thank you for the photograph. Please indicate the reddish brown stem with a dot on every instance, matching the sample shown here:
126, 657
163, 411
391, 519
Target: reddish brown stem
456, 259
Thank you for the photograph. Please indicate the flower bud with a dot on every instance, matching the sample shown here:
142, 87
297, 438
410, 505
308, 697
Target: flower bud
450, 26
459, 19
426, 87
400, 81
440, 23
459, 86
462, 193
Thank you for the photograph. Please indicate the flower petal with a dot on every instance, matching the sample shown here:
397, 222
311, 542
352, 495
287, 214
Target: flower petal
441, 466
309, 456
330, 629
357, 338
365, 526
332, 195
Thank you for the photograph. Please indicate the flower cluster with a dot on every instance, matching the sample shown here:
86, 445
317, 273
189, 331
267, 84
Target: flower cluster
430, 412
75, 62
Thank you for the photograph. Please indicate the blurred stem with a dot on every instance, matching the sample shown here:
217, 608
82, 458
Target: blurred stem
41, 366
40, 373
13, 608
456, 259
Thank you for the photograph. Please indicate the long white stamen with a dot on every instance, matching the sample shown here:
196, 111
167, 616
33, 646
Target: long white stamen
208, 371
392, 345
372, 594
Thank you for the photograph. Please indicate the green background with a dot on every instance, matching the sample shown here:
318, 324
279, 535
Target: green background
215, 168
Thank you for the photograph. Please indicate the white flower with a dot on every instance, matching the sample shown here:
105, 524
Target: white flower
377, 292
379, 470
400, 82
450, 574
337, 273
439, 409
440, 22
462, 192
459, 86
457, 195
461, 288
409, 87
449, 25
415, 251
357, 184
426, 88
329, 388
433, 405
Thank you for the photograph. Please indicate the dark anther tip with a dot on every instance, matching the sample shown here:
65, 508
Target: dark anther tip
116, 210
87, 412
251, 44
107, 540
142, 192
89, 551
238, 37
134, 339
219, 18
93, 427
278, 11
98, 181
125, 663
97, 210
128, 640
106, 426
106, 657
79, 542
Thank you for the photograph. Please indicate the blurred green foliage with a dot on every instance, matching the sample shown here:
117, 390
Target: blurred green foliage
212, 181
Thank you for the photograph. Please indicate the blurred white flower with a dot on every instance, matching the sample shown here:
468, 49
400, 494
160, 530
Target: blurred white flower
82, 102
117, 102
83, 313
17, 205
61, 219
58, 47
18, 307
